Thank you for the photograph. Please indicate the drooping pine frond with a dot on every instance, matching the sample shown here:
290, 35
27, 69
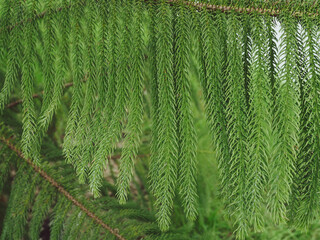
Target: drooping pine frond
113, 132
29, 140
298, 173
167, 130
4, 22
260, 138
186, 131
309, 153
153, 168
272, 45
110, 59
61, 64
14, 52
133, 130
237, 125
83, 149
49, 69
212, 84
286, 122
77, 76
246, 54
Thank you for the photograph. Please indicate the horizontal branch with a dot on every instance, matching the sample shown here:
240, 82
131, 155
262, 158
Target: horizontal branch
198, 5
54, 183
229, 8
36, 17
37, 95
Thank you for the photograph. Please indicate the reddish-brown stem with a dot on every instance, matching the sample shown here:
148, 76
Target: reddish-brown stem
37, 95
61, 189
199, 5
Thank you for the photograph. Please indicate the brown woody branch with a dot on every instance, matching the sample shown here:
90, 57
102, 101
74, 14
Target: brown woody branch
36, 17
37, 95
54, 183
224, 8
199, 5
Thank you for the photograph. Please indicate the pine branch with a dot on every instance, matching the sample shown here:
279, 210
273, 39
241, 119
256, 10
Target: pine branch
40, 211
186, 132
61, 70
260, 138
134, 126
77, 74
83, 149
104, 72
304, 124
124, 50
110, 60
34, 18
55, 184
49, 57
247, 44
211, 48
237, 126
21, 196
286, 123
4, 21
153, 170
272, 11
27, 79
14, 56
38, 95
270, 22
245, 9
309, 156
167, 139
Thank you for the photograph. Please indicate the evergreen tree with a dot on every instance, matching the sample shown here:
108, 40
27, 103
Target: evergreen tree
129, 66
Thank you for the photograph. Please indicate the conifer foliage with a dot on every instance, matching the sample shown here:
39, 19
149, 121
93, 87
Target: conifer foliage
261, 94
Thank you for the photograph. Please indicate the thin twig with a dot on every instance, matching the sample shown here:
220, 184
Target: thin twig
37, 95
229, 8
199, 5
19, 101
36, 17
61, 189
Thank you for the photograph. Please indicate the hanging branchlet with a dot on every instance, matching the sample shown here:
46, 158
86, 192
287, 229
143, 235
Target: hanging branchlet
114, 130
167, 139
309, 154
110, 59
49, 70
133, 129
14, 53
83, 149
237, 125
272, 54
286, 122
186, 131
77, 66
61, 64
246, 45
153, 169
212, 84
260, 138
27, 80
5, 21
103, 82
297, 187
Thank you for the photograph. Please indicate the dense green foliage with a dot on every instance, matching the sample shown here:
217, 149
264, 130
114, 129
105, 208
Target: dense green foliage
140, 71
